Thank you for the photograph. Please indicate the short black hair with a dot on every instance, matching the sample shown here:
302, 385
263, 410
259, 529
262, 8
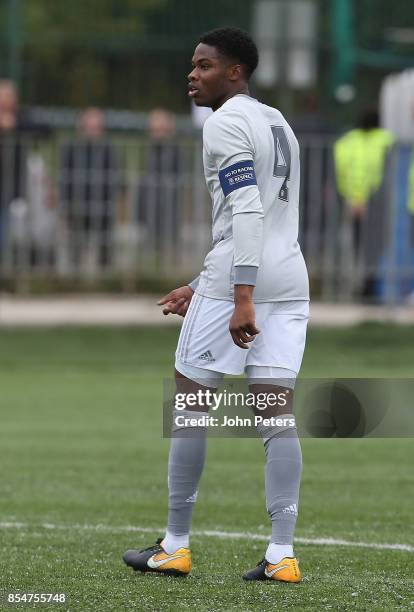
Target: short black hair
234, 44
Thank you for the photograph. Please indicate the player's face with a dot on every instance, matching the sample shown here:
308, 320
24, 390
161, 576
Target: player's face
212, 77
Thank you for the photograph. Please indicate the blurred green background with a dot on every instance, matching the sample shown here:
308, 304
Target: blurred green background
136, 53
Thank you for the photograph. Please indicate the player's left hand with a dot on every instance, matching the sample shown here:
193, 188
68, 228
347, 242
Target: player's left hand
242, 325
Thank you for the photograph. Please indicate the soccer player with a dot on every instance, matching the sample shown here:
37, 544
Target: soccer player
248, 309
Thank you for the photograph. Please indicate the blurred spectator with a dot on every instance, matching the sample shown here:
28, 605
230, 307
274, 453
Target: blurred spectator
17, 137
90, 184
42, 212
159, 201
312, 126
311, 119
12, 157
360, 157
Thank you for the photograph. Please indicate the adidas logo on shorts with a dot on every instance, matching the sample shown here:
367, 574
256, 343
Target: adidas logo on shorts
207, 356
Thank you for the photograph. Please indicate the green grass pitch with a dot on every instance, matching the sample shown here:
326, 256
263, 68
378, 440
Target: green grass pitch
81, 447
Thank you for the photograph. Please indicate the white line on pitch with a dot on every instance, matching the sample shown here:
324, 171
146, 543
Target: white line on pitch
233, 535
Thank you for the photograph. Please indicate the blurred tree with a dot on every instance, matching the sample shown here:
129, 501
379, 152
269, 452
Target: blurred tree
136, 53
116, 53
71, 47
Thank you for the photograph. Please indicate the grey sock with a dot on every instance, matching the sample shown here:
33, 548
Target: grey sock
185, 466
282, 478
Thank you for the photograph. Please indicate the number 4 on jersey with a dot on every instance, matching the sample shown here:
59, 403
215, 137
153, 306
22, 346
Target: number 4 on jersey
282, 160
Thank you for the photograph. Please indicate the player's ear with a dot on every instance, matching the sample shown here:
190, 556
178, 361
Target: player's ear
235, 72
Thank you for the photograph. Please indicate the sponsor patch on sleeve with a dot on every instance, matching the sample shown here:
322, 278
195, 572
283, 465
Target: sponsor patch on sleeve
240, 174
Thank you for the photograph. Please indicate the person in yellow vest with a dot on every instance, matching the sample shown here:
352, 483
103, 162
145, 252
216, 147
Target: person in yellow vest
359, 157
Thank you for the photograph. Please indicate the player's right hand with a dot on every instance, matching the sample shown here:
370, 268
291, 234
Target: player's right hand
177, 301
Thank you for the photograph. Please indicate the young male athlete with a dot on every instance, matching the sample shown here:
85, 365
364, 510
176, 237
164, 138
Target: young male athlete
248, 309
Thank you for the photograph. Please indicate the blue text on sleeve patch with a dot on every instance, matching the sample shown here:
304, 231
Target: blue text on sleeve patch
240, 174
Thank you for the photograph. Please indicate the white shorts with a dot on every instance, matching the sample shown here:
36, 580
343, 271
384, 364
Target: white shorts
205, 341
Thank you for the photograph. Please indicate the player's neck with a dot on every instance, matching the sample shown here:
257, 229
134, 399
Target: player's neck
241, 90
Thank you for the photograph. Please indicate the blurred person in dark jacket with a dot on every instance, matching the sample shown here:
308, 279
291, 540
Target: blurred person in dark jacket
90, 184
12, 156
159, 202
19, 147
